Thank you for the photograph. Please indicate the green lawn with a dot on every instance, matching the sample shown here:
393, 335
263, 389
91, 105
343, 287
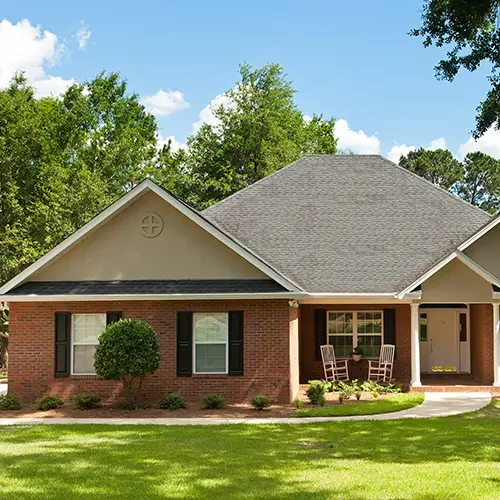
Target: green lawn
450, 458
396, 402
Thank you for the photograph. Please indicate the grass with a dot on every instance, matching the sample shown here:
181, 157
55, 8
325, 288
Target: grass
396, 402
448, 458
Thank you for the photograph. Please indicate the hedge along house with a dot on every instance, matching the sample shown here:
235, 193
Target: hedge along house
344, 250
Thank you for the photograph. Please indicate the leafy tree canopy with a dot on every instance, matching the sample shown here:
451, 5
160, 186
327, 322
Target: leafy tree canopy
470, 31
258, 131
476, 179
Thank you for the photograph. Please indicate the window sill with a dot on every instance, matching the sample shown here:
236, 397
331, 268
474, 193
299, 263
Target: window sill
211, 375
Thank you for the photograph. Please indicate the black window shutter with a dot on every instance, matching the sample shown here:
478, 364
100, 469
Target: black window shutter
113, 317
235, 342
62, 344
184, 343
390, 326
320, 329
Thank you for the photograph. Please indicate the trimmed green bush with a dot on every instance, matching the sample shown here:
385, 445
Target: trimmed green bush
298, 404
87, 401
9, 402
261, 402
128, 350
173, 401
316, 392
48, 403
214, 401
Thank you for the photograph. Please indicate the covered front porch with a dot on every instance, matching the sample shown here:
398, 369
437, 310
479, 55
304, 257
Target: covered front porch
439, 346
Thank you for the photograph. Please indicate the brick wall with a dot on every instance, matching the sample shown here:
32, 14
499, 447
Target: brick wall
311, 366
481, 342
270, 327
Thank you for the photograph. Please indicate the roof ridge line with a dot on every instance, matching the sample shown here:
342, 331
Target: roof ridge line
439, 188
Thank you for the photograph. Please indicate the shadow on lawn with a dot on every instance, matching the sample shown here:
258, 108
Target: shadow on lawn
152, 462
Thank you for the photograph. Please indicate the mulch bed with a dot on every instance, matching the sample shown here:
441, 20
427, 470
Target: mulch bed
194, 409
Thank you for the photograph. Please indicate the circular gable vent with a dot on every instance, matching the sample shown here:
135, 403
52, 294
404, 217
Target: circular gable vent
151, 225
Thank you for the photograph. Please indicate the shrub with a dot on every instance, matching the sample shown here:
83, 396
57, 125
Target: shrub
375, 394
128, 350
316, 392
261, 402
48, 403
214, 401
358, 395
298, 404
173, 401
9, 402
87, 401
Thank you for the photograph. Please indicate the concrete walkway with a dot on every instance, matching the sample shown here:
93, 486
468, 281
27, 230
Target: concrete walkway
436, 404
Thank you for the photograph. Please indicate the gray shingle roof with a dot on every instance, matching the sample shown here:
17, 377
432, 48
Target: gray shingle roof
347, 223
146, 287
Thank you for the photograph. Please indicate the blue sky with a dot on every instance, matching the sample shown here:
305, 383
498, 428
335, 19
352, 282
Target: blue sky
351, 60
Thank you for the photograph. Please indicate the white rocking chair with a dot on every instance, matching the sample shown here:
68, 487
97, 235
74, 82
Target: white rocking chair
335, 371
381, 370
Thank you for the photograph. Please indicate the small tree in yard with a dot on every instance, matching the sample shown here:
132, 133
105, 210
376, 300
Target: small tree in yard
128, 350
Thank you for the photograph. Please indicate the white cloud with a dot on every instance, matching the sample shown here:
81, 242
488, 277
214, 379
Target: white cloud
437, 144
488, 143
27, 48
175, 144
51, 86
396, 152
82, 35
357, 142
165, 103
207, 113
399, 150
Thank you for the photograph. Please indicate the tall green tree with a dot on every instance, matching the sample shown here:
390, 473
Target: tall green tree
438, 166
62, 160
476, 179
259, 131
469, 29
480, 183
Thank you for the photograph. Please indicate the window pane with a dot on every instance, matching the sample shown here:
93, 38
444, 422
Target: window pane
83, 358
423, 327
210, 358
339, 322
463, 327
88, 327
370, 344
370, 322
342, 345
210, 327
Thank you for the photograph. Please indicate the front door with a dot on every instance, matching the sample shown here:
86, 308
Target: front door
443, 334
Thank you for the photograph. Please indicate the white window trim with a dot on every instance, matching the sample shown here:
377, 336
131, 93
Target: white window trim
355, 328
73, 343
211, 342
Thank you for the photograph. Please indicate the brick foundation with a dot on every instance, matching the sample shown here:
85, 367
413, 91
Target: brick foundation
310, 365
270, 348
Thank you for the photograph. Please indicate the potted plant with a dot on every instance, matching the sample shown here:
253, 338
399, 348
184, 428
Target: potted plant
356, 353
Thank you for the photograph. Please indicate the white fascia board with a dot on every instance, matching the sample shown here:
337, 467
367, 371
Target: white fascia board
121, 203
477, 268
179, 296
354, 295
494, 222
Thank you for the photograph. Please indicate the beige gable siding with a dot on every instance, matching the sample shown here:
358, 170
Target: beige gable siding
486, 251
456, 282
117, 250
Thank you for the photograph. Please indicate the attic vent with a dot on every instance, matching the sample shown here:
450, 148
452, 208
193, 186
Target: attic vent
151, 225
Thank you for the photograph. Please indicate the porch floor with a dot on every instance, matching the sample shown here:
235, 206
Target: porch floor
453, 383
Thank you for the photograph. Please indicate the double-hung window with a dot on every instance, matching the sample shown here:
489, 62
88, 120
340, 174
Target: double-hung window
86, 329
210, 346
348, 329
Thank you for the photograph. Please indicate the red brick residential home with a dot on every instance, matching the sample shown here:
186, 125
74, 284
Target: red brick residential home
331, 249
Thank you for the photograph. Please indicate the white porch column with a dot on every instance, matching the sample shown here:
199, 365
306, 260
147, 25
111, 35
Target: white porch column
496, 344
415, 346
